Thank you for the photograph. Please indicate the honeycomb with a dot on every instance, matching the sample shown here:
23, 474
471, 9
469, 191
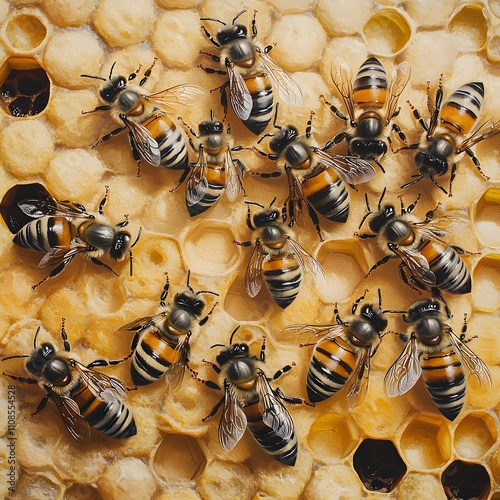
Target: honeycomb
399, 448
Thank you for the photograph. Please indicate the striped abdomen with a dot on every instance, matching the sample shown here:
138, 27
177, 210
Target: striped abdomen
332, 363
261, 90
45, 233
111, 417
172, 145
461, 111
370, 85
444, 377
283, 449
327, 193
450, 270
216, 178
153, 356
283, 276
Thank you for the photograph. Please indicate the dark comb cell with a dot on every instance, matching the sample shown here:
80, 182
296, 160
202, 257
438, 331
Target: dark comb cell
462, 481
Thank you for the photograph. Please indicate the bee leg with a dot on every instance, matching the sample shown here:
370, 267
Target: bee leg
64, 336
406, 148
379, 165
249, 223
210, 37
364, 235
147, 73
108, 136
356, 304
281, 372
214, 57
103, 201
262, 354
100, 263
406, 280
205, 319
418, 117
135, 153
215, 409
411, 207
254, 25
335, 141
41, 405
105, 107
182, 178
56, 271
192, 131
101, 363
309, 124
336, 111
436, 294
452, 177
476, 163
212, 71
24, 380
377, 264
291, 400
164, 292
337, 315
397, 130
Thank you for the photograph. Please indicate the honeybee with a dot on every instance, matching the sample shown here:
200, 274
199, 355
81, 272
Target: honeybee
276, 258
434, 352
249, 401
452, 130
372, 103
432, 262
341, 358
62, 229
160, 346
83, 396
251, 74
153, 136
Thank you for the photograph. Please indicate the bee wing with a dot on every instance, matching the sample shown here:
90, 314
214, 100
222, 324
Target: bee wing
233, 421
399, 79
142, 323
175, 373
253, 273
275, 415
353, 169
357, 385
289, 90
472, 361
307, 261
146, 146
484, 131
56, 255
234, 176
417, 264
175, 98
102, 386
405, 371
197, 184
314, 331
441, 226
342, 79
296, 197
241, 100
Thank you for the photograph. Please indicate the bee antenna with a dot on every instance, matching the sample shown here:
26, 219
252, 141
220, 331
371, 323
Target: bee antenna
35, 337
272, 202
187, 282
207, 291
379, 299
217, 345
212, 19
264, 136
255, 203
137, 239
232, 335
17, 356
95, 77
111, 70
381, 198
239, 14
212, 115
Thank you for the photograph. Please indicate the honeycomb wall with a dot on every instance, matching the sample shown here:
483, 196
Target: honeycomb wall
175, 454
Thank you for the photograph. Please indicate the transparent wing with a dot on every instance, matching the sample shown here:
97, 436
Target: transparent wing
405, 371
399, 79
441, 226
314, 331
146, 146
356, 386
253, 273
233, 421
417, 264
484, 131
342, 79
175, 373
353, 169
472, 361
307, 261
56, 255
275, 415
142, 323
240, 97
197, 183
175, 98
289, 90
234, 177
100, 384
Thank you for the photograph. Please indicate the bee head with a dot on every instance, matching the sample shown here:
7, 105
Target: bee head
265, 217
231, 352
284, 137
425, 308
121, 245
39, 358
208, 127
375, 316
112, 88
231, 33
190, 301
380, 219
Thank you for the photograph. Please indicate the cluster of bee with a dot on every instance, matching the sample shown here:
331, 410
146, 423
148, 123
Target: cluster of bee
318, 181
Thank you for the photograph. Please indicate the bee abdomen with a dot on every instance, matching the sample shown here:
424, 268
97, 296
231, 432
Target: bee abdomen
444, 377
328, 194
45, 233
370, 85
332, 363
283, 277
216, 178
261, 91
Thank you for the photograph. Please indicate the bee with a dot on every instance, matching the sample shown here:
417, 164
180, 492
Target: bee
452, 130
249, 401
372, 103
153, 136
434, 352
315, 177
341, 358
431, 262
62, 229
251, 75
83, 396
277, 259
160, 346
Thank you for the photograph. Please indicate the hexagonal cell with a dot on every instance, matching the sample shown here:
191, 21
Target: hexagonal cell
470, 26
24, 87
495, 7
37, 486
426, 442
241, 306
485, 279
387, 32
486, 214
379, 465
343, 262
466, 480
25, 31
81, 492
179, 459
475, 435
209, 248
333, 436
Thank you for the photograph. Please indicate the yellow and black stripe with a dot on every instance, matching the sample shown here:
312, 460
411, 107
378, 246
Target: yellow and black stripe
283, 276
